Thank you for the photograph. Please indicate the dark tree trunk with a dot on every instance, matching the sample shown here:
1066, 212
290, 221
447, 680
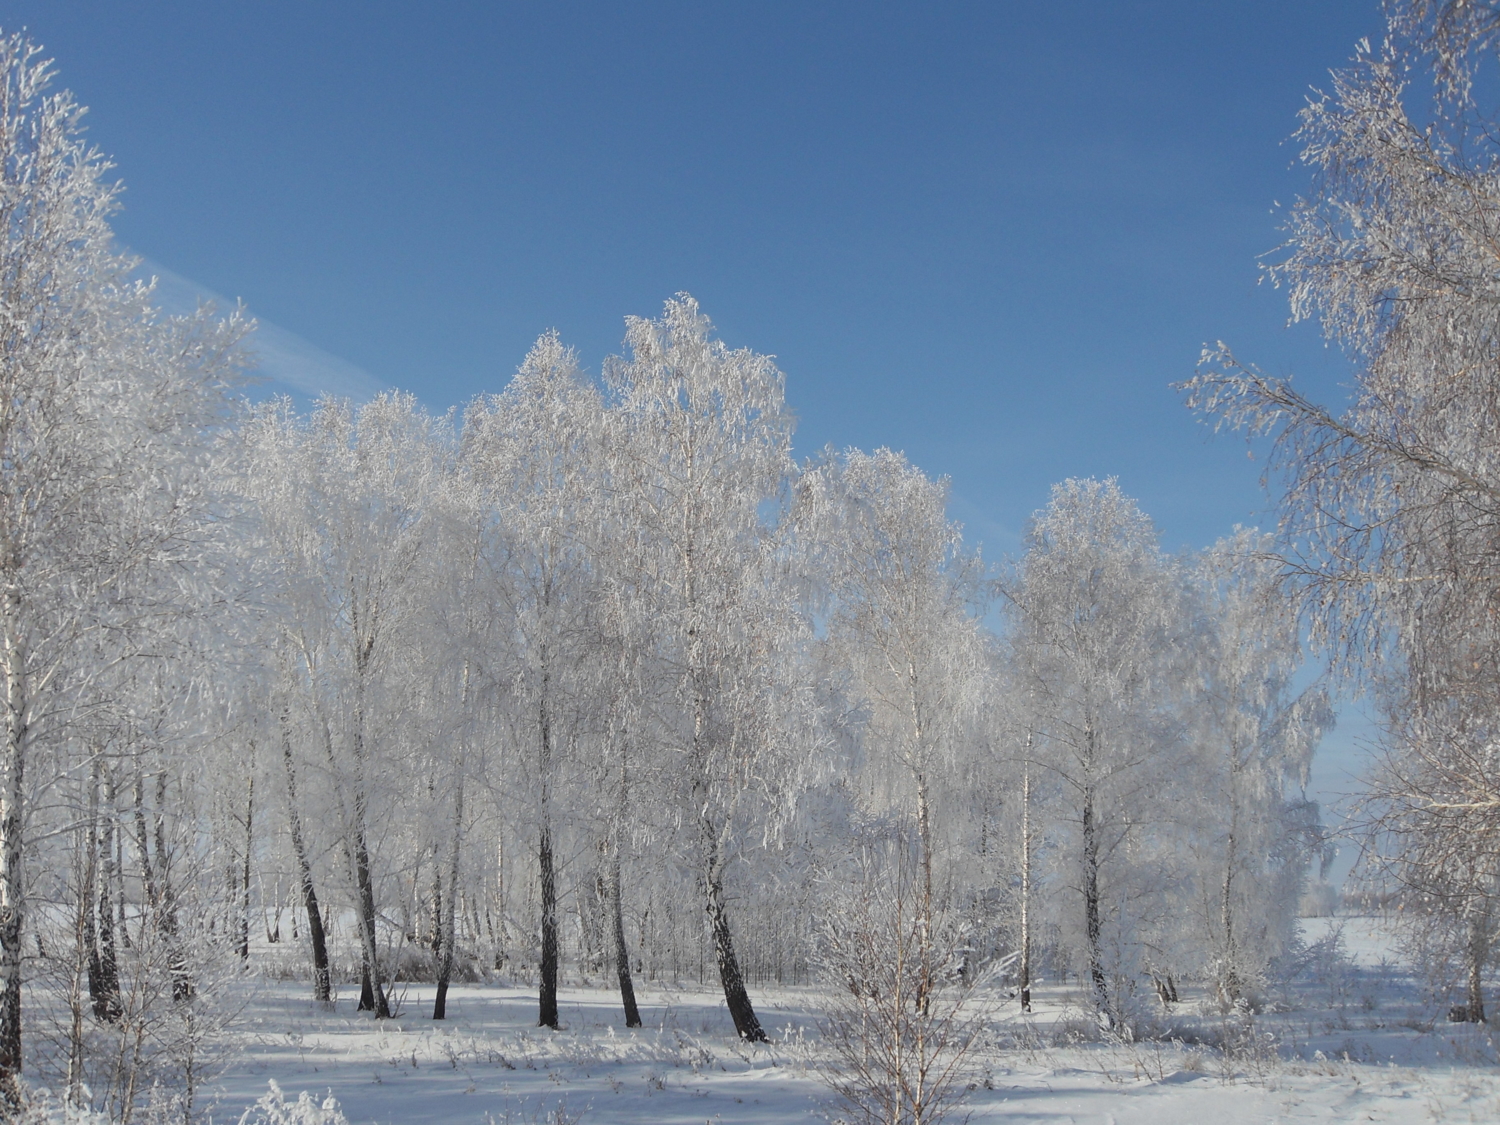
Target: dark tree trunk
88, 896
106, 997
735, 995
1098, 981
372, 995
547, 991
622, 950
449, 923
322, 984
547, 995
13, 661
243, 945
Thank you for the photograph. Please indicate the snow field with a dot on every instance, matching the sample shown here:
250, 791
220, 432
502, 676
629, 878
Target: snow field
1352, 1039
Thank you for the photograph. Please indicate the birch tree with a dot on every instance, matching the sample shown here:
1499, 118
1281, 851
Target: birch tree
361, 482
901, 617
700, 447
532, 447
1390, 506
1255, 736
99, 400
1092, 602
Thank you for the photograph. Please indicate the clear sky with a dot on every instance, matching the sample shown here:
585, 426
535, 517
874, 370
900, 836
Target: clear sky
989, 234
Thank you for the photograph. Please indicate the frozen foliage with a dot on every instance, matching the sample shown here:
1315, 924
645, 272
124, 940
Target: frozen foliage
272, 1108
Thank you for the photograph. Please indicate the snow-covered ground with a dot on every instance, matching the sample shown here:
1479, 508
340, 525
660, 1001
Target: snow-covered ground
1352, 1040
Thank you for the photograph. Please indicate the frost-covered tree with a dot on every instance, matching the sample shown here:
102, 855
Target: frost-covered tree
700, 450
900, 620
104, 408
1254, 737
1391, 506
531, 450
361, 482
1093, 607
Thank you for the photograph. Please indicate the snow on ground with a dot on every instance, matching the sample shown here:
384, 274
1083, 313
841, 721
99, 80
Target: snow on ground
1352, 1040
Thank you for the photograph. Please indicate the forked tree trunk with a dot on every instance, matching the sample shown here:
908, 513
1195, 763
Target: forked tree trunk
322, 984
372, 995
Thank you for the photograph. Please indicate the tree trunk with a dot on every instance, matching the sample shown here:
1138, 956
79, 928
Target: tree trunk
615, 891
322, 985
1479, 941
243, 945
622, 950
12, 878
122, 927
497, 929
108, 1005
435, 935
1098, 981
85, 940
547, 994
1229, 979
372, 995
143, 842
88, 894
1025, 966
182, 981
735, 994
450, 922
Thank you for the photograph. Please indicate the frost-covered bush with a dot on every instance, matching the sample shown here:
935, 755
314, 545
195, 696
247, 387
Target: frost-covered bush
272, 1108
39, 1106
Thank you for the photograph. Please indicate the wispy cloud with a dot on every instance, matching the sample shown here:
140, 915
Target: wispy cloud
286, 359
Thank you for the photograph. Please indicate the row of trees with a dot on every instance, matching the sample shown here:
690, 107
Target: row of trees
593, 670
495, 691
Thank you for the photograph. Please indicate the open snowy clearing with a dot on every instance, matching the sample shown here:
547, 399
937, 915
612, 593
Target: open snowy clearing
1355, 1043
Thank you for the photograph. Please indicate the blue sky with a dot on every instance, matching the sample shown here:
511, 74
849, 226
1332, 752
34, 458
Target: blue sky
989, 234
